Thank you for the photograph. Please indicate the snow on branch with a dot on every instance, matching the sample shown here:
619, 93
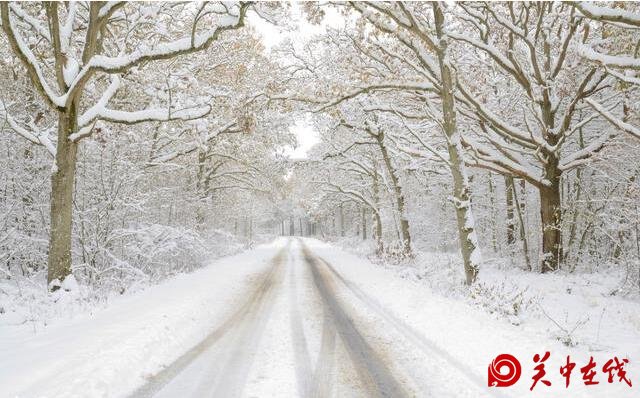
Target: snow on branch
614, 61
145, 115
350, 194
27, 57
193, 42
487, 157
231, 127
184, 46
607, 14
626, 127
94, 112
34, 23
499, 124
41, 138
415, 86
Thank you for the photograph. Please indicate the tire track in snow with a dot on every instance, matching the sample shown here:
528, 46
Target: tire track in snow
265, 283
426, 346
376, 378
304, 375
322, 382
232, 380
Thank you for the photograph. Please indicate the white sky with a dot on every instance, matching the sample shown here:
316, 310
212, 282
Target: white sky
273, 35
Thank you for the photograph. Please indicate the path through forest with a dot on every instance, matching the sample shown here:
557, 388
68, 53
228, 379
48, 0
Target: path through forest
343, 359
297, 317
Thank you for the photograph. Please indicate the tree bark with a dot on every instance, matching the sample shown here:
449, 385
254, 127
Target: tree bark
551, 218
377, 233
511, 225
342, 232
520, 208
405, 234
494, 218
461, 189
364, 223
61, 210
377, 230
201, 186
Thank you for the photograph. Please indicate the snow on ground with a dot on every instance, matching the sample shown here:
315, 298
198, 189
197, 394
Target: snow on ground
433, 337
105, 353
566, 314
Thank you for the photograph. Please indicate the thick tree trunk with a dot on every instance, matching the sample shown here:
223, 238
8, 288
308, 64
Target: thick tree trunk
62, 184
291, 226
551, 217
342, 232
461, 190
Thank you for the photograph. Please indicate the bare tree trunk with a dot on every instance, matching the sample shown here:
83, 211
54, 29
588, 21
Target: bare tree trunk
292, 231
511, 225
202, 189
492, 201
342, 233
377, 231
364, 223
62, 184
523, 235
398, 195
551, 217
461, 190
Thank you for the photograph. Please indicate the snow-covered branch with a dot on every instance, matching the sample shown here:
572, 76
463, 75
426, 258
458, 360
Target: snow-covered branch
614, 61
614, 120
608, 14
39, 138
231, 127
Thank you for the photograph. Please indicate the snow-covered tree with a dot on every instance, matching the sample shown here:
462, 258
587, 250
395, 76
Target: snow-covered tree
78, 56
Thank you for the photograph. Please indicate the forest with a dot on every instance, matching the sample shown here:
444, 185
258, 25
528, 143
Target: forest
485, 150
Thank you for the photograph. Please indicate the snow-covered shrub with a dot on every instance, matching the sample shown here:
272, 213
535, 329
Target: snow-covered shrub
505, 299
25, 300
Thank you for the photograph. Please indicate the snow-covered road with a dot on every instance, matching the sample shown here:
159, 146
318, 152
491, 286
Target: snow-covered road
294, 318
295, 298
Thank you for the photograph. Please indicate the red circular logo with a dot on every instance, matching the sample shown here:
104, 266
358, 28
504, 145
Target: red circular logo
504, 371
